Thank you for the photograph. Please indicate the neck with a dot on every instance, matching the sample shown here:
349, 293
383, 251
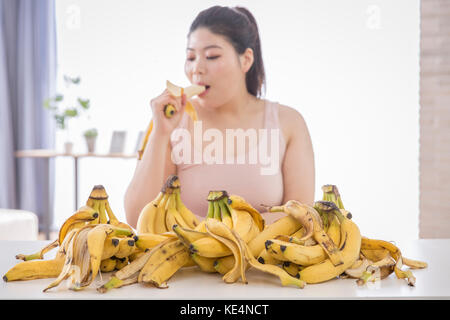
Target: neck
237, 106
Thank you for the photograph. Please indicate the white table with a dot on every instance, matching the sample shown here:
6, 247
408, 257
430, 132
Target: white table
192, 284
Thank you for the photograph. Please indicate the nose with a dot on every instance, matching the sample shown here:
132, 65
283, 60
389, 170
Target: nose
198, 66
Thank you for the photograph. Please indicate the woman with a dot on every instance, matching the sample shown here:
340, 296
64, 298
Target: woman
224, 54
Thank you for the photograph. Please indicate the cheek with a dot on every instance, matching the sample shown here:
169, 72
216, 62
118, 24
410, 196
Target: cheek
224, 73
187, 71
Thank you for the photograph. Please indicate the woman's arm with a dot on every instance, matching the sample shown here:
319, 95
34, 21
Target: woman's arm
156, 163
298, 165
150, 174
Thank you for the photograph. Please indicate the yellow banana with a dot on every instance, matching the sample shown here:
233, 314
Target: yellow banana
138, 264
146, 220
201, 227
188, 236
301, 254
284, 225
300, 213
209, 247
110, 247
126, 247
188, 216
205, 264
159, 254
38, 269
298, 254
96, 198
95, 244
167, 268
173, 217
34, 269
121, 263
291, 268
312, 222
150, 240
285, 278
349, 247
83, 215
225, 213
160, 217
266, 258
108, 265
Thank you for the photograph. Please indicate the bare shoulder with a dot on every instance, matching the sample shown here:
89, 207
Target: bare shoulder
291, 120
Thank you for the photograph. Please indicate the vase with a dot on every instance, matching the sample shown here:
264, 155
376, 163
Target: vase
68, 147
90, 142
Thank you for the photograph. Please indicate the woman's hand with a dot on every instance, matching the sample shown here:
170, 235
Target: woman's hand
162, 124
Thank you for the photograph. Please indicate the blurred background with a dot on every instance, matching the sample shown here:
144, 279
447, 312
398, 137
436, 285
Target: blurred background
371, 79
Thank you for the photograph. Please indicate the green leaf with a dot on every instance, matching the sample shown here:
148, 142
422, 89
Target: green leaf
76, 80
73, 112
85, 103
60, 121
91, 132
58, 97
69, 80
47, 103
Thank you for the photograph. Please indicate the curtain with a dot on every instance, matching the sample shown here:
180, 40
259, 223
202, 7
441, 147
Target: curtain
27, 78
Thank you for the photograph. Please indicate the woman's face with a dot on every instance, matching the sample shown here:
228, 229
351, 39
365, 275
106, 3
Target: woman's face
212, 61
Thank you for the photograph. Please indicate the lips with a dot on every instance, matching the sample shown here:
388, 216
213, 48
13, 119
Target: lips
207, 87
204, 92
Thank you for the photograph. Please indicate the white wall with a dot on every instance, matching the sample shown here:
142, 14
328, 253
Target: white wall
350, 67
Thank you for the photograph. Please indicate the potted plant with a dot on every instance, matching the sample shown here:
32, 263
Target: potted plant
64, 111
91, 136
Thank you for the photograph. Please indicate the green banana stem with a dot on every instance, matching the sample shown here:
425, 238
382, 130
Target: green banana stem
111, 284
364, 278
210, 210
217, 195
228, 207
224, 209
340, 204
217, 211
122, 232
324, 214
331, 193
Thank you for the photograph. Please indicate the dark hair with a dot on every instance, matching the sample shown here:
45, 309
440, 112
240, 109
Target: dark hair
239, 27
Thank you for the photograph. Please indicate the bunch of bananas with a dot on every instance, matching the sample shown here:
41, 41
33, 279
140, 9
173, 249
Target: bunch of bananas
231, 224
166, 210
75, 243
310, 244
337, 248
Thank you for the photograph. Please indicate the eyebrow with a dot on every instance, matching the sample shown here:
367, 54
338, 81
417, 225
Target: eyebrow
207, 47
